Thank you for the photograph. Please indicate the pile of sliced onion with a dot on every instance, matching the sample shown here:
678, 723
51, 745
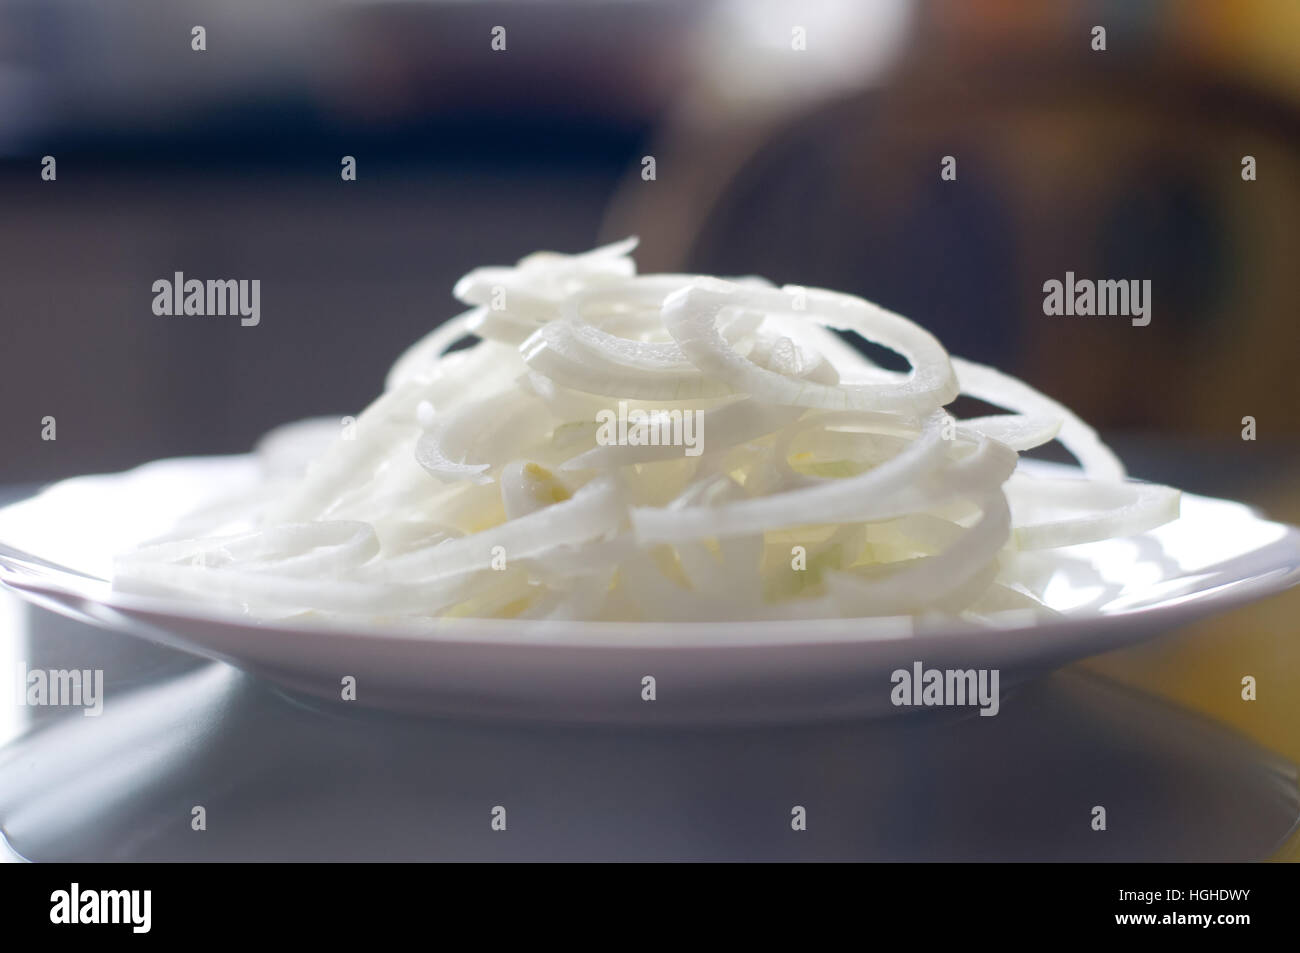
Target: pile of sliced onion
486, 481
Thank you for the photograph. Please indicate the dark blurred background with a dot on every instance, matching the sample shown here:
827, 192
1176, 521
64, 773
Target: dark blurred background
816, 166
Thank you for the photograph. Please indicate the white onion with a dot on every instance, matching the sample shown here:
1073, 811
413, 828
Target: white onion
928, 579
1086, 512
994, 387
691, 316
468, 441
482, 482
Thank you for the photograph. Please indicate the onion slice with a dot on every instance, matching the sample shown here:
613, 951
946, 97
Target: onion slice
691, 317
1096, 510
994, 387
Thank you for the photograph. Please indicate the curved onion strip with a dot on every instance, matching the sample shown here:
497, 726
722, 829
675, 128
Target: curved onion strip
260, 589
286, 450
1017, 431
737, 422
556, 351
994, 387
527, 486
691, 316
294, 549
596, 510
999, 598
502, 327
1099, 510
577, 406
420, 360
628, 312
389, 426
853, 499
654, 596
928, 579
407, 535
663, 356
540, 281
832, 448
483, 429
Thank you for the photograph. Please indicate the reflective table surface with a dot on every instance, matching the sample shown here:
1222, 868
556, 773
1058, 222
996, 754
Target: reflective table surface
283, 778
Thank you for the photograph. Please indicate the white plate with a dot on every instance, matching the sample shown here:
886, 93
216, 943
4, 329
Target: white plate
56, 547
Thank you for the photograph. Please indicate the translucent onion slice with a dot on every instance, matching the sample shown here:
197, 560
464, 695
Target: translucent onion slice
389, 427
574, 406
500, 326
402, 536
287, 450
420, 360
927, 580
258, 590
557, 351
691, 317
999, 598
468, 442
582, 597
347, 462
726, 426
783, 356
295, 549
994, 387
650, 355
527, 486
856, 499
595, 510
630, 310
1017, 431
1063, 512
838, 437
535, 287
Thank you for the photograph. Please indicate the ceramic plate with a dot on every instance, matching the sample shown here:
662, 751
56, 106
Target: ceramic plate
56, 549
